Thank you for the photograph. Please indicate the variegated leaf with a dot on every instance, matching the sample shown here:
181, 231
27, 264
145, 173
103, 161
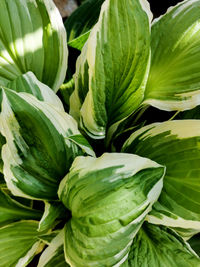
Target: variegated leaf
174, 78
175, 144
159, 246
19, 243
112, 69
109, 198
54, 253
38, 152
32, 38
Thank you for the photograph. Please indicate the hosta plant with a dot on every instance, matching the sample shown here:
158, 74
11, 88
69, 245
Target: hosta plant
100, 151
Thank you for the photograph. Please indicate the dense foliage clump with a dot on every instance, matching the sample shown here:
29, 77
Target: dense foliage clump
99, 135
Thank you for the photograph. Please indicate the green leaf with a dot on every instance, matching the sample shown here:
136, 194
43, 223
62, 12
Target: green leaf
174, 78
32, 38
79, 42
38, 153
28, 83
19, 243
11, 210
110, 79
65, 91
53, 211
47, 238
54, 253
83, 19
109, 198
175, 144
159, 246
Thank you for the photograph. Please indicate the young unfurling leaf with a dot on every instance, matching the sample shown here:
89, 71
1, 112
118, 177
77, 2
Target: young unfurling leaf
112, 69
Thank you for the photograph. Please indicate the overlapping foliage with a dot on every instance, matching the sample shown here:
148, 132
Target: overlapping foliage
106, 184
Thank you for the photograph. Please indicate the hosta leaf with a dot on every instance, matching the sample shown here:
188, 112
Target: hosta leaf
79, 42
159, 246
18, 243
11, 210
38, 152
54, 253
53, 210
28, 83
175, 144
109, 198
83, 19
174, 79
110, 79
32, 38
47, 238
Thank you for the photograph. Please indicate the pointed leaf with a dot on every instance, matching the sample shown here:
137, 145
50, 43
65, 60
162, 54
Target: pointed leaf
174, 144
38, 153
18, 243
109, 197
159, 246
79, 42
174, 79
112, 69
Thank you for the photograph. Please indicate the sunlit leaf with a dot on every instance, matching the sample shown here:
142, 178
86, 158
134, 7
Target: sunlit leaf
32, 38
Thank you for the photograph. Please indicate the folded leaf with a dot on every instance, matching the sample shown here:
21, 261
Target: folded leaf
174, 78
19, 243
38, 152
11, 210
174, 144
53, 210
109, 198
112, 69
54, 253
159, 246
32, 38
